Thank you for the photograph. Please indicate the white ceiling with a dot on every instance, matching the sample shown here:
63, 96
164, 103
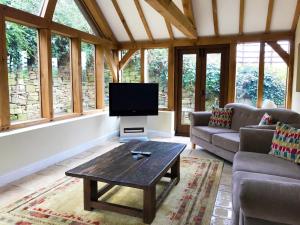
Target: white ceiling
228, 16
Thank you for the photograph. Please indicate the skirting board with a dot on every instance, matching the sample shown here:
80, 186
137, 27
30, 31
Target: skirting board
37, 166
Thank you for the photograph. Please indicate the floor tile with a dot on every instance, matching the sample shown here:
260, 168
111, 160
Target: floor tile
221, 212
219, 221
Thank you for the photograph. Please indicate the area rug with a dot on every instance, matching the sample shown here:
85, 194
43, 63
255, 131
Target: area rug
190, 202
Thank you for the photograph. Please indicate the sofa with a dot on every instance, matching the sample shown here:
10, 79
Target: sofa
265, 189
226, 142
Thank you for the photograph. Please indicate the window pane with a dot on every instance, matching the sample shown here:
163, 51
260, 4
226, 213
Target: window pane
213, 79
276, 72
132, 71
67, 13
31, 6
88, 76
61, 75
107, 79
247, 73
23, 72
157, 60
188, 86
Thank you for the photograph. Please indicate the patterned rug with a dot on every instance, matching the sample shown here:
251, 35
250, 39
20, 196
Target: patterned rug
190, 202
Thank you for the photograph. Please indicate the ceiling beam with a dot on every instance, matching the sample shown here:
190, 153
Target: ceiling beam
95, 12
143, 18
269, 16
48, 9
170, 30
122, 18
188, 10
280, 51
296, 17
126, 58
170, 12
242, 15
215, 16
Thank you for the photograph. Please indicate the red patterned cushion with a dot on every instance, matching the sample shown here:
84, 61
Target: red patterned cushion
221, 117
265, 120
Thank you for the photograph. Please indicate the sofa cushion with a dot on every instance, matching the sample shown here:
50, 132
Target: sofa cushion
265, 164
228, 141
206, 132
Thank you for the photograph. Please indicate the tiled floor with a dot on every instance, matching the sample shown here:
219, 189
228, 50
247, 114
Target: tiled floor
14, 191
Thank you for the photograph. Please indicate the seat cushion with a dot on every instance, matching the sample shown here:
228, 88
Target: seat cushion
206, 132
266, 164
228, 141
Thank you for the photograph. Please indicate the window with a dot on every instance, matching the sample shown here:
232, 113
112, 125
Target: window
276, 72
157, 65
67, 13
23, 72
31, 6
88, 76
107, 79
61, 75
132, 71
247, 66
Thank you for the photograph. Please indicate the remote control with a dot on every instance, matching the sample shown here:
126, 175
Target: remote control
141, 153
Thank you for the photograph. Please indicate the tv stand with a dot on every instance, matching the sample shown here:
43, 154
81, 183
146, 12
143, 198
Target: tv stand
133, 128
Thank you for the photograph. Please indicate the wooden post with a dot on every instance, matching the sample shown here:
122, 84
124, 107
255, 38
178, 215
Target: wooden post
76, 75
46, 73
99, 73
171, 79
289, 91
261, 75
232, 73
4, 91
142, 65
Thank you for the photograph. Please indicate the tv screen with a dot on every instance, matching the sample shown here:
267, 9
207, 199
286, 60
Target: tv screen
133, 99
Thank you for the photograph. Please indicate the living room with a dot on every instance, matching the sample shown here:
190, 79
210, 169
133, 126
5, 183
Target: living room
150, 112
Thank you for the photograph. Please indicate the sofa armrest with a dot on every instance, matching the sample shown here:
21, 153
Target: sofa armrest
256, 140
199, 118
275, 201
269, 127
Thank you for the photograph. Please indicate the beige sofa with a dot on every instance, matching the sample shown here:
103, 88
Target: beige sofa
226, 142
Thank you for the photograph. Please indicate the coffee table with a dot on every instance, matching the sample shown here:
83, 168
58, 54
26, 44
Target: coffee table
117, 167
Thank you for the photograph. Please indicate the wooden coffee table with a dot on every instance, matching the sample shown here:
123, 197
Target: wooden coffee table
117, 167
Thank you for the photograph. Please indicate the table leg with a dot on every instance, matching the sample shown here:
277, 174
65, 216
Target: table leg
149, 204
90, 190
175, 170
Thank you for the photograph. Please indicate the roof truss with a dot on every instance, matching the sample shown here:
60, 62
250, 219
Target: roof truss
143, 18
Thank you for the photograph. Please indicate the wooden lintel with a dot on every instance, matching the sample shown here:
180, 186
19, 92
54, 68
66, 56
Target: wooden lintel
269, 16
215, 16
170, 30
126, 58
280, 51
143, 18
48, 9
242, 14
296, 17
111, 64
188, 10
99, 75
172, 13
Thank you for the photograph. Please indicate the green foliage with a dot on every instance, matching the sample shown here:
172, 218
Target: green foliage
158, 67
31, 6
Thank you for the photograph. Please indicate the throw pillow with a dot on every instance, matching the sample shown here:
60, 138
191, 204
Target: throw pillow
286, 142
265, 120
221, 117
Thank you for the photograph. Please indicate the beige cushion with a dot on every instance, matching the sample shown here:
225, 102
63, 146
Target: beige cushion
228, 141
206, 132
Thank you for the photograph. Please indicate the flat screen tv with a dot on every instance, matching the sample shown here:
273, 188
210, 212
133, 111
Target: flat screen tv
133, 99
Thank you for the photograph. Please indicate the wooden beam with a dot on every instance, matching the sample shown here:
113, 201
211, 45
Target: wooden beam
232, 72
188, 10
290, 80
269, 16
242, 15
225, 39
4, 90
122, 18
215, 16
143, 18
96, 13
280, 51
48, 9
126, 58
111, 64
171, 79
170, 12
170, 30
76, 75
46, 73
143, 66
261, 75
99, 75
296, 17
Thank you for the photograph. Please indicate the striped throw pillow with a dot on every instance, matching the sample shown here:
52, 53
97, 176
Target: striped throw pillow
221, 117
286, 143
265, 120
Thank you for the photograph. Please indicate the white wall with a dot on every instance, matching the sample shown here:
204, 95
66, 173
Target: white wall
296, 95
162, 125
